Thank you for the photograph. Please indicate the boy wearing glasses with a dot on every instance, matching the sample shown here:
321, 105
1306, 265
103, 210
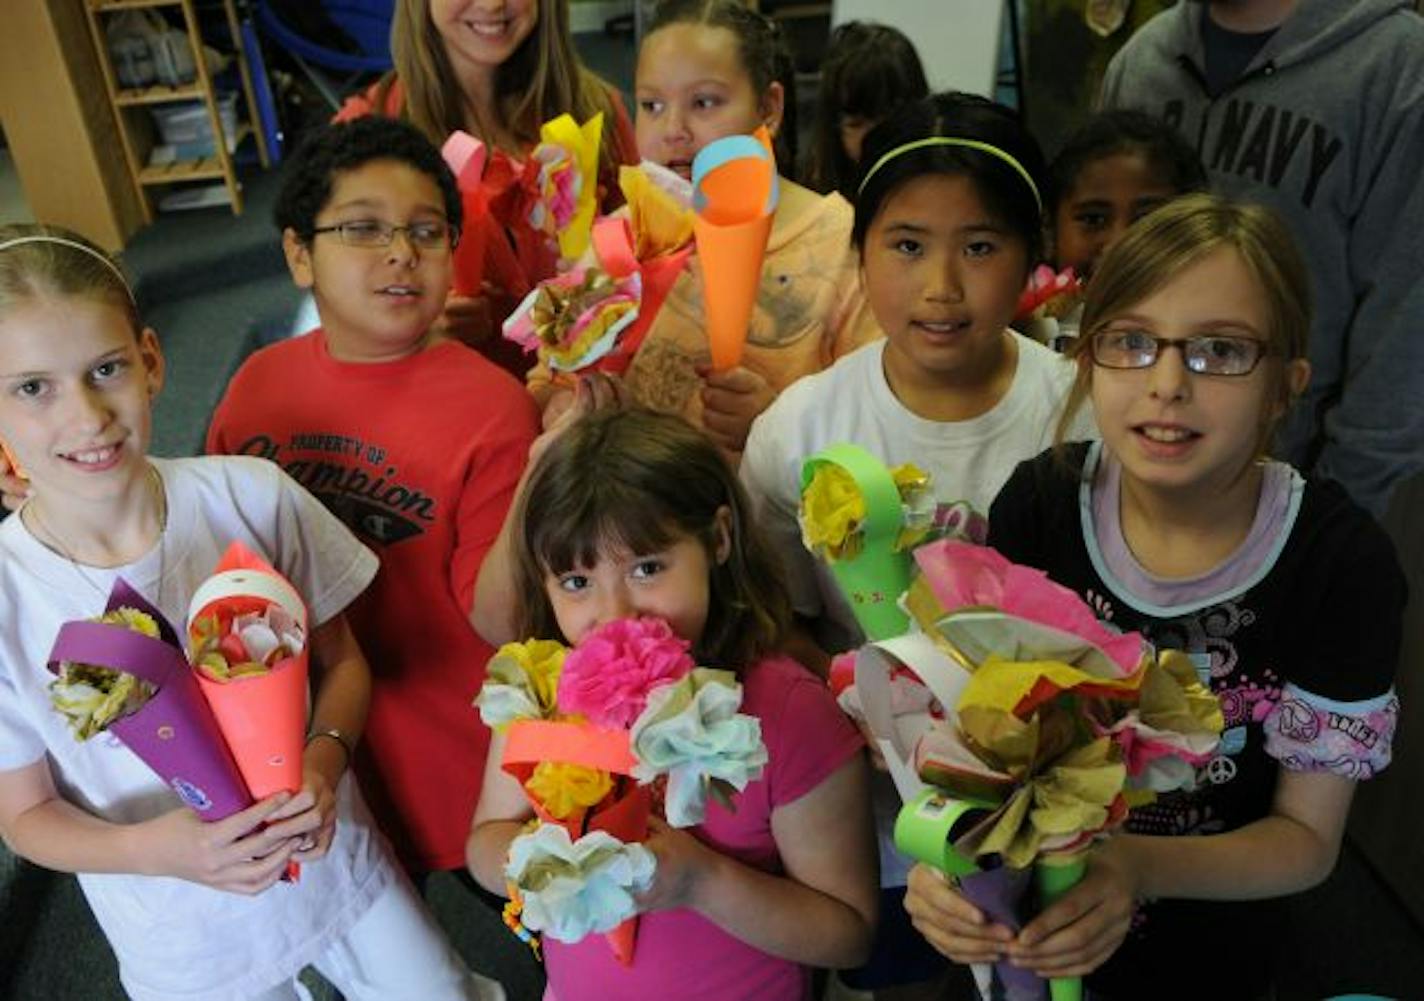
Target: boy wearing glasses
416, 442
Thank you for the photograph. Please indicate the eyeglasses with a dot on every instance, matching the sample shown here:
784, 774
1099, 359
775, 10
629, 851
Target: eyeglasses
435, 234
1211, 354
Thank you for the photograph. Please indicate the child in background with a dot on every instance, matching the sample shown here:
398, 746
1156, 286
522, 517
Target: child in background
947, 221
1286, 594
416, 443
784, 877
869, 71
190, 908
1113, 171
497, 70
709, 69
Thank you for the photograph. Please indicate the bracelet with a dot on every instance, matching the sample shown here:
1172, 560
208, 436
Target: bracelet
337, 736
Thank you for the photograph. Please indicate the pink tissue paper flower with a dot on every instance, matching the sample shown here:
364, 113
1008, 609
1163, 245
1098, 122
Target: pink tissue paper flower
608, 675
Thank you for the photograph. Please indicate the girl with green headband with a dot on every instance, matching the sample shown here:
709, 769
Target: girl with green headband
947, 223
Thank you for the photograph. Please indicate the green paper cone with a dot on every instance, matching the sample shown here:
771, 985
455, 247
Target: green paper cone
1054, 877
872, 582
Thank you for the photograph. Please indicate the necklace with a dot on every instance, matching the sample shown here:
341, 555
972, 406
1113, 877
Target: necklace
55, 543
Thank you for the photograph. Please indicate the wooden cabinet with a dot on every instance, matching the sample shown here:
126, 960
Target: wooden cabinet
132, 105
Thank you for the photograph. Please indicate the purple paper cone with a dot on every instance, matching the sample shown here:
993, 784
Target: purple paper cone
998, 893
174, 733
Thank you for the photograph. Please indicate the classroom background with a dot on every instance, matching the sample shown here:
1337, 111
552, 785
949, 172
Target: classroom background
209, 275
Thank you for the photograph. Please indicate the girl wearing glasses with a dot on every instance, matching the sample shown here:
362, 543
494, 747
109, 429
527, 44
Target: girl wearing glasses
1286, 595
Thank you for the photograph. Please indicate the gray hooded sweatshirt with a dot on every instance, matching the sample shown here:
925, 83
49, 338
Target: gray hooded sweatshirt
1326, 126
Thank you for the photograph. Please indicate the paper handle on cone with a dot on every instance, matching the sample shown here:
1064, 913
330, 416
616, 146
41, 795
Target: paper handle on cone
873, 581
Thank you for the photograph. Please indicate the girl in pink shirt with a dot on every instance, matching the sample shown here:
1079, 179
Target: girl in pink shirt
743, 903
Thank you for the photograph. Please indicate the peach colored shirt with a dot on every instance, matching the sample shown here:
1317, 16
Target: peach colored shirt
810, 311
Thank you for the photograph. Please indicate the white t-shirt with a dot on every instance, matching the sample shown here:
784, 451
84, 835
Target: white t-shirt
174, 938
851, 402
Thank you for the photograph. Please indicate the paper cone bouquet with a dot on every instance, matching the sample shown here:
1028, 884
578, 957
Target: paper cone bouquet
596, 316
863, 519
222, 732
523, 219
1053, 726
735, 194
599, 736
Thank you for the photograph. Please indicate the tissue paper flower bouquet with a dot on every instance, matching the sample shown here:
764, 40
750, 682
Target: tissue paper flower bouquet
599, 736
1053, 725
223, 732
524, 220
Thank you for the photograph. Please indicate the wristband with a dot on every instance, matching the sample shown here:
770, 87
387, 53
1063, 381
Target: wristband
337, 736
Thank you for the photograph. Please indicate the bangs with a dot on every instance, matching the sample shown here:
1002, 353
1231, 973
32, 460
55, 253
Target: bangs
604, 516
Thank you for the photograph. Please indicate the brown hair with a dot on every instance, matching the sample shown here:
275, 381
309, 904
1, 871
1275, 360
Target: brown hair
761, 49
56, 261
642, 480
1176, 236
542, 79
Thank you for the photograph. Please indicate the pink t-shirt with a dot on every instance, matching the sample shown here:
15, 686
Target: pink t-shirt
680, 954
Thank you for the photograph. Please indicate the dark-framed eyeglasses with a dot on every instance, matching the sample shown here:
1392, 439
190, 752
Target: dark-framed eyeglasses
1208, 354
430, 234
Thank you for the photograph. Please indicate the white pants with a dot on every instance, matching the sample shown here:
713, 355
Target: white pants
396, 952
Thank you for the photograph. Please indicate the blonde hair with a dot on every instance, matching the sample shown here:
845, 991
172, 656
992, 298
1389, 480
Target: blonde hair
38, 261
1176, 236
542, 79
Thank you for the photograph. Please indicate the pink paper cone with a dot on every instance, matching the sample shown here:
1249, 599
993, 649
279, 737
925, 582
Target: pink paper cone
263, 718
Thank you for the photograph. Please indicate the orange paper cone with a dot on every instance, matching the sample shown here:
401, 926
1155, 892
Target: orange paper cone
262, 718
15, 469
622, 940
734, 194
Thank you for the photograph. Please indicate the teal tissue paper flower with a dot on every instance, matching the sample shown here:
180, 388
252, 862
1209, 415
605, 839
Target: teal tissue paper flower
692, 732
573, 889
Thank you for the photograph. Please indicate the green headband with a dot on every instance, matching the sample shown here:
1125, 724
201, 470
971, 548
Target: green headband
982, 147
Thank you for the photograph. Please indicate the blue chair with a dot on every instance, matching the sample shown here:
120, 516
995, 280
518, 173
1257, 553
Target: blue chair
363, 25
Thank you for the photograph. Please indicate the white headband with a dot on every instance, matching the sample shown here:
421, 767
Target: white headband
64, 242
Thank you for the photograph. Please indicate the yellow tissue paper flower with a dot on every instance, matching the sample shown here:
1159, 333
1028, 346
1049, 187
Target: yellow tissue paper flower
660, 224
832, 510
539, 661
90, 696
565, 788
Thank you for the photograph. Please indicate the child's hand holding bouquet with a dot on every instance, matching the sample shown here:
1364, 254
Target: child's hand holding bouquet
596, 735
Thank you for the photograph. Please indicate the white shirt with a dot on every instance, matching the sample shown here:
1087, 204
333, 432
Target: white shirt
174, 938
851, 402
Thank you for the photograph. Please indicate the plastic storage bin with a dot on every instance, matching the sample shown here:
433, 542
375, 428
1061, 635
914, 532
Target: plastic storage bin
187, 124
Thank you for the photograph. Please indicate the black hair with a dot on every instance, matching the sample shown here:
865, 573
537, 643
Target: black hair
1009, 198
310, 173
763, 50
1167, 152
869, 71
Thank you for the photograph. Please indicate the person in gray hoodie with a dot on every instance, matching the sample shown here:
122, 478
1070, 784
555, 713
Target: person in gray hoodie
1316, 108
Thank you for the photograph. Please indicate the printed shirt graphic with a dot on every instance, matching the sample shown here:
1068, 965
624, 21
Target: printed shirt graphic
419, 457
1302, 654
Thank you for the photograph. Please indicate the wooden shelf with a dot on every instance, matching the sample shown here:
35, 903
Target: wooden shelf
158, 94
136, 135
108, 5
208, 168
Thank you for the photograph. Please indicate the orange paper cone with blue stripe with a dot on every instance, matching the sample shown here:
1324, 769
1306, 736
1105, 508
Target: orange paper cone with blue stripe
735, 192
